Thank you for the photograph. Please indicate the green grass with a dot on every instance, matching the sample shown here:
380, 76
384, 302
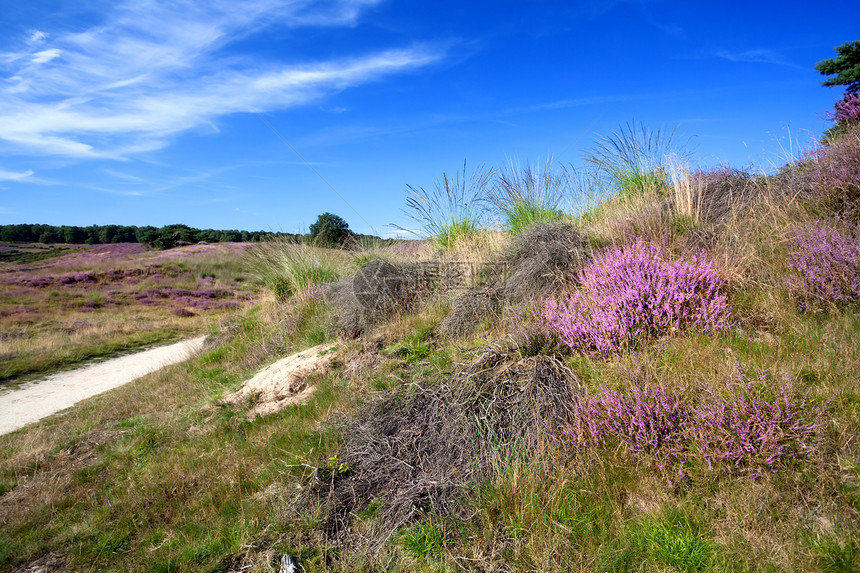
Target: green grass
452, 209
292, 270
673, 539
423, 539
527, 195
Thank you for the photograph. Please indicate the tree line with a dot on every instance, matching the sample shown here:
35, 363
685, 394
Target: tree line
158, 237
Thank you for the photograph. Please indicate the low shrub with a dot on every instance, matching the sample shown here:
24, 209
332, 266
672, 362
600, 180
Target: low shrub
724, 193
543, 261
417, 449
634, 293
470, 309
825, 261
835, 176
377, 292
748, 429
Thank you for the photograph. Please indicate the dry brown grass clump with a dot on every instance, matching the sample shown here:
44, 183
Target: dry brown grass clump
543, 261
412, 451
471, 308
724, 194
377, 292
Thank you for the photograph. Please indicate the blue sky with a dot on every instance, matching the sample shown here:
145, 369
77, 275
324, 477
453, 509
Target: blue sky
156, 112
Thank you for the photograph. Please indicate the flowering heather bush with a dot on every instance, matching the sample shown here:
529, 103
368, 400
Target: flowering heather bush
751, 432
744, 432
847, 109
647, 419
634, 293
80, 277
836, 172
212, 293
826, 263
38, 282
99, 254
151, 293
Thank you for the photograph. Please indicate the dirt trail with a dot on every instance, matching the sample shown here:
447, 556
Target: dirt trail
35, 400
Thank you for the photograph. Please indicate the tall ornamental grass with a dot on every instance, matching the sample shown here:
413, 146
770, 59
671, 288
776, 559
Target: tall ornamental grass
633, 159
635, 293
685, 192
453, 208
529, 194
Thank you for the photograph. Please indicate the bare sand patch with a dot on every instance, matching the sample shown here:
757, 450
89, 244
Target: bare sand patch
285, 382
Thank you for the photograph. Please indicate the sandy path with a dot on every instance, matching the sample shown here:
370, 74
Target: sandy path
35, 400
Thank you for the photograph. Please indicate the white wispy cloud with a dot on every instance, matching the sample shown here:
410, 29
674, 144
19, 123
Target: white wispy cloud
45, 56
761, 56
36, 36
15, 175
153, 69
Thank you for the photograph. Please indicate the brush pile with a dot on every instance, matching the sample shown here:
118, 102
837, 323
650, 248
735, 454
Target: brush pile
543, 261
725, 193
415, 450
378, 291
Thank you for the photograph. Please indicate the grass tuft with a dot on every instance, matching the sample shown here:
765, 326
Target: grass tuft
452, 209
292, 270
529, 194
633, 159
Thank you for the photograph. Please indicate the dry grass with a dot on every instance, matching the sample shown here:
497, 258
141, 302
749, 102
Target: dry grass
685, 193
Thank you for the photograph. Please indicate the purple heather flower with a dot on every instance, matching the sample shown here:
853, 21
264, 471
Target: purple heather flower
826, 263
633, 293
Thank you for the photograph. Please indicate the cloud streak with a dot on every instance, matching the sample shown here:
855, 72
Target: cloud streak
756, 57
15, 175
153, 69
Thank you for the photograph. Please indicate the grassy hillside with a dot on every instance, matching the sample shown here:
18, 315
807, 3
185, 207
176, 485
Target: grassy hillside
647, 369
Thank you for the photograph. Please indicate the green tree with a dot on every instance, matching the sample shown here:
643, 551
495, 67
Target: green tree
329, 231
845, 67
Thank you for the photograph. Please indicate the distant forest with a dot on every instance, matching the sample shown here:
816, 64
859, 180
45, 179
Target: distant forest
160, 238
